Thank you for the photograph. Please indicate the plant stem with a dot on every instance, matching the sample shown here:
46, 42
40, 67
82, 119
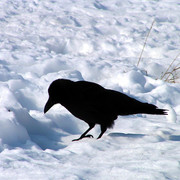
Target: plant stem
140, 57
170, 67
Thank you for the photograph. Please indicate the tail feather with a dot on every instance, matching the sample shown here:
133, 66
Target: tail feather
152, 109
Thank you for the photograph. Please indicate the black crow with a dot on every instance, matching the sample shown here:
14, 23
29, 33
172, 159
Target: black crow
94, 104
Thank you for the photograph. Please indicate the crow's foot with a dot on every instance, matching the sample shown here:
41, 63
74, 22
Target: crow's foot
86, 136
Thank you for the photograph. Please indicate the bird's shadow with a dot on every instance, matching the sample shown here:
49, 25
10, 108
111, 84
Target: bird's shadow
136, 136
116, 134
174, 137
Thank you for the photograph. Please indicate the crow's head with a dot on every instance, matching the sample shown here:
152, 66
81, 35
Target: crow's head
57, 92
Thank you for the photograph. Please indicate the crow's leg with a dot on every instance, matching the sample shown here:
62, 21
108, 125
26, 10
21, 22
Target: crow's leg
84, 134
103, 129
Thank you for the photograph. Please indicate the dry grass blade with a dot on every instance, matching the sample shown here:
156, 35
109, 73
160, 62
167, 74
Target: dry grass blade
177, 67
174, 76
140, 57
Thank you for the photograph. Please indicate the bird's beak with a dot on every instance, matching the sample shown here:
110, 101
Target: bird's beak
48, 105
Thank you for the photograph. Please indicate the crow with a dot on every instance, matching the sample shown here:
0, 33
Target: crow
94, 104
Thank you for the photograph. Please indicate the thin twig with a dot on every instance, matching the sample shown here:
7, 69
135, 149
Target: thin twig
170, 66
140, 57
171, 73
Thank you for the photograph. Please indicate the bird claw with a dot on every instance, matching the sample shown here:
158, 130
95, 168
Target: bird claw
87, 136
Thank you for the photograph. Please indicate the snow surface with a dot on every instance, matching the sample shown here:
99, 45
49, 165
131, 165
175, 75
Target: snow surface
98, 41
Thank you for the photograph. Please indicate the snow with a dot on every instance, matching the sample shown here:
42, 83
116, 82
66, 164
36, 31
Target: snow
98, 41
